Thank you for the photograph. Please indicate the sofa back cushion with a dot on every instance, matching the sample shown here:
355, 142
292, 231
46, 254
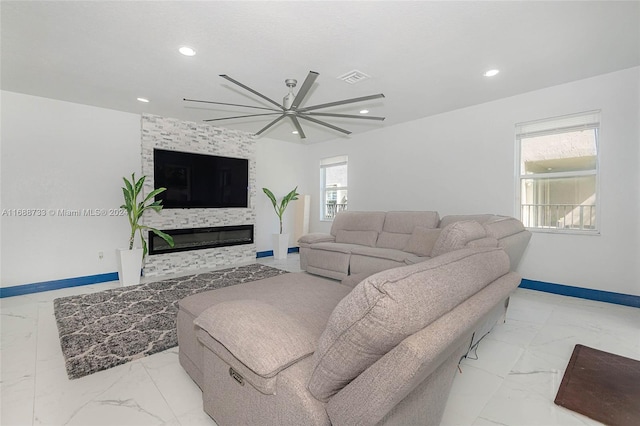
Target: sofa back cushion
502, 226
399, 225
391, 240
422, 240
404, 222
457, 235
497, 226
363, 238
357, 221
480, 218
389, 306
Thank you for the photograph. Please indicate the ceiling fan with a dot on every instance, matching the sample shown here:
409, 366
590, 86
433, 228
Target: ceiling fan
291, 106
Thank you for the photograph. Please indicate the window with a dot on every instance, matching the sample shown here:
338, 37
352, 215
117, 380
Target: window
333, 181
558, 173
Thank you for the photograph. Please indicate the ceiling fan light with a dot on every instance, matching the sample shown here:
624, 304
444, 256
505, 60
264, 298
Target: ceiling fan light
295, 132
364, 111
187, 51
491, 73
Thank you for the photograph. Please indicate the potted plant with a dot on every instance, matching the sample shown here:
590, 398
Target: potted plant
281, 240
130, 260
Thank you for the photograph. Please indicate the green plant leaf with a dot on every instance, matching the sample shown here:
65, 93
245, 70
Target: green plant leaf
128, 185
135, 209
168, 238
271, 196
153, 194
144, 245
139, 184
279, 209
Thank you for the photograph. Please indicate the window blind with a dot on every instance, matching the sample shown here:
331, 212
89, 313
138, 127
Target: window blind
573, 122
333, 161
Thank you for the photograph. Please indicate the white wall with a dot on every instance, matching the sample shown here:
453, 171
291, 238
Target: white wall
463, 162
60, 155
279, 168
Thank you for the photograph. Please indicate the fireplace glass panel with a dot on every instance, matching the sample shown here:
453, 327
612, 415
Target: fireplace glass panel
201, 238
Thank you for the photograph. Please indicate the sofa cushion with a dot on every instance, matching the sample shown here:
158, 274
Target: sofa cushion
456, 236
422, 241
364, 238
501, 226
387, 307
337, 247
355, 279
358, 221
480, 218
392, 240
259, 335
382, 253
401, 222
399, 225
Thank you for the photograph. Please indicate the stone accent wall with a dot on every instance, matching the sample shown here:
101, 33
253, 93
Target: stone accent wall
177, 135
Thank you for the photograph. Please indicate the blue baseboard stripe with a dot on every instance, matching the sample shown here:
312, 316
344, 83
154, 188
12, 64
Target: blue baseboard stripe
583, 293
565, 290
19, 290
268, 253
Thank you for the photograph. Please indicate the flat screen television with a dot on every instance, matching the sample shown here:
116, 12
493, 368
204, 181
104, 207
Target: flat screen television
199, 180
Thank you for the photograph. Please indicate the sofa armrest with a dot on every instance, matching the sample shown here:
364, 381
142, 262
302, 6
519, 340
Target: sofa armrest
316, 238
258, 335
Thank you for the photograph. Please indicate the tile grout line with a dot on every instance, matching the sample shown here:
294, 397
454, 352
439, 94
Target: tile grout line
175, 416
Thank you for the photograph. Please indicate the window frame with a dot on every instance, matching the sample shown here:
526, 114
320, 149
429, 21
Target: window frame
325, 163
549, 126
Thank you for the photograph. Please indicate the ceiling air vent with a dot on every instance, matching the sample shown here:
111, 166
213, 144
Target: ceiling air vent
353, 77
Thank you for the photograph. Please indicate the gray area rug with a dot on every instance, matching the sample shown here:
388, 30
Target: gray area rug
101, 330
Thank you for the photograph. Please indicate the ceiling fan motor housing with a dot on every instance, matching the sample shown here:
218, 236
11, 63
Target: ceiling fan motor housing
287, 101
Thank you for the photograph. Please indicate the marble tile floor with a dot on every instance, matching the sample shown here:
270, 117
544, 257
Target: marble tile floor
513, 381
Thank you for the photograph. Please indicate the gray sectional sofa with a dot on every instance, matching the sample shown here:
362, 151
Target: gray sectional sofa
380, 347
362, 243
300, 349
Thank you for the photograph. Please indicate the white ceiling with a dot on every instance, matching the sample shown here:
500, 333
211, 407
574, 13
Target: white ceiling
427, 57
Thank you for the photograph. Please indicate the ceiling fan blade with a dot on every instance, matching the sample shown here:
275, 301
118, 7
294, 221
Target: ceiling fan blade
362, 117
264, 129
298, 126
331, 126
242, 116
302, 93
251, 90
224, 103
344, 102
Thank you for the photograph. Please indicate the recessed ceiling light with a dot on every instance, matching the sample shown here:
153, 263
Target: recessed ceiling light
491, 73
187, 51
364, 111
295, 132
145, 100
